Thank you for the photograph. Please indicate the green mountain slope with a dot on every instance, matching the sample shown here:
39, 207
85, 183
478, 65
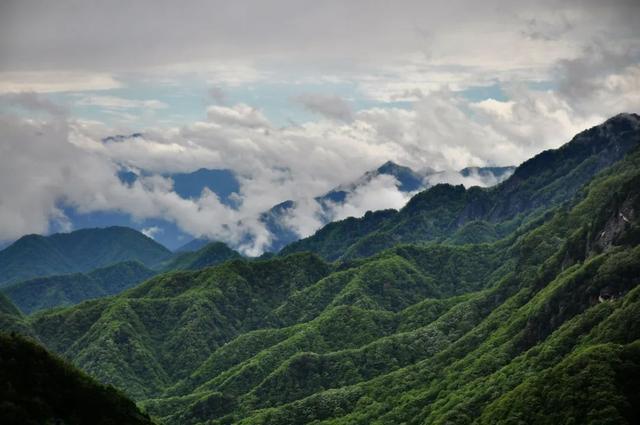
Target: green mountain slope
38, 388
64, 290
11, 319
535, 324
209, 255
79, 251
451, 212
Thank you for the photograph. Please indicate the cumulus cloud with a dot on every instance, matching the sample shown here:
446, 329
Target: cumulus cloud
379, 193
239, 115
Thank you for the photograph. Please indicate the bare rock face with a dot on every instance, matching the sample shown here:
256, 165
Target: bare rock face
619, 221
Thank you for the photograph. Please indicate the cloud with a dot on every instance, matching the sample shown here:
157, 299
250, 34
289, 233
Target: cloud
32, 101
423, 40
56, 81
113, 102
152, 231
218, 95
240, 115
379, 193
329, 106
586, 53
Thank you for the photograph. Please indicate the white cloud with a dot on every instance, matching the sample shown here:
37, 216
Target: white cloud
379, 193
152, 231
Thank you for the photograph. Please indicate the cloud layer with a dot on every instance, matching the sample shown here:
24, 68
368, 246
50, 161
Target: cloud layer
413, 69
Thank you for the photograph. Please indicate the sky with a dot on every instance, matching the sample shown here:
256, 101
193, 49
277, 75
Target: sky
292, 97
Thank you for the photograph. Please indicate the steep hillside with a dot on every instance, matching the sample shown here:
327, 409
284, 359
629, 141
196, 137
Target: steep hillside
209, 255
69, 289
451, 212
80, 251
11, 319
38, 388
180, 315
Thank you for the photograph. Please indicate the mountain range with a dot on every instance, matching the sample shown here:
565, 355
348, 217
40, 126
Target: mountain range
510, 304
406, 181
76, 252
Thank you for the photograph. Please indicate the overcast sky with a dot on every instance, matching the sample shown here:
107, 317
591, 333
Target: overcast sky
296, 97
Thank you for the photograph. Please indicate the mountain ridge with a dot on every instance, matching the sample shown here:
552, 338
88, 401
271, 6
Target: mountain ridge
78, 251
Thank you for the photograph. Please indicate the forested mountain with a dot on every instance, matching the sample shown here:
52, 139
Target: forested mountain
38, 388
79, 251
210, 254
515, 304
69, 289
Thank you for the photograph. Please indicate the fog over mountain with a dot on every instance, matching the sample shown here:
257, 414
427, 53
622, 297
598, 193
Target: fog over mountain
293, 99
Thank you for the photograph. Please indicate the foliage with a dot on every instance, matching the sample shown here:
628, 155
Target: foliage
38, 388
65, 290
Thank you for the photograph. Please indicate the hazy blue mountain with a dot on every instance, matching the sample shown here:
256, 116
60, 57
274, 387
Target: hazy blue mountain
79, 251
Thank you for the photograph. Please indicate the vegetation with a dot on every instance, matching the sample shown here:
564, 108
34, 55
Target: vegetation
511, 305
209, 255
65, 290
38, 388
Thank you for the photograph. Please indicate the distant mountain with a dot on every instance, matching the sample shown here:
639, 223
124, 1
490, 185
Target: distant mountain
79, 251
39, 388
210, 254
69, 289
408, 181
193, 245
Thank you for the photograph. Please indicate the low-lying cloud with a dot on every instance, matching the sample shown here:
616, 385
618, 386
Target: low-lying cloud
49, 160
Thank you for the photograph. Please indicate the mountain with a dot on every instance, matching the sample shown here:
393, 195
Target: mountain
533, 323
211, 254
11, 319
477, 214
79, 251
64, 290
38, 388
407, 181
193, 245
